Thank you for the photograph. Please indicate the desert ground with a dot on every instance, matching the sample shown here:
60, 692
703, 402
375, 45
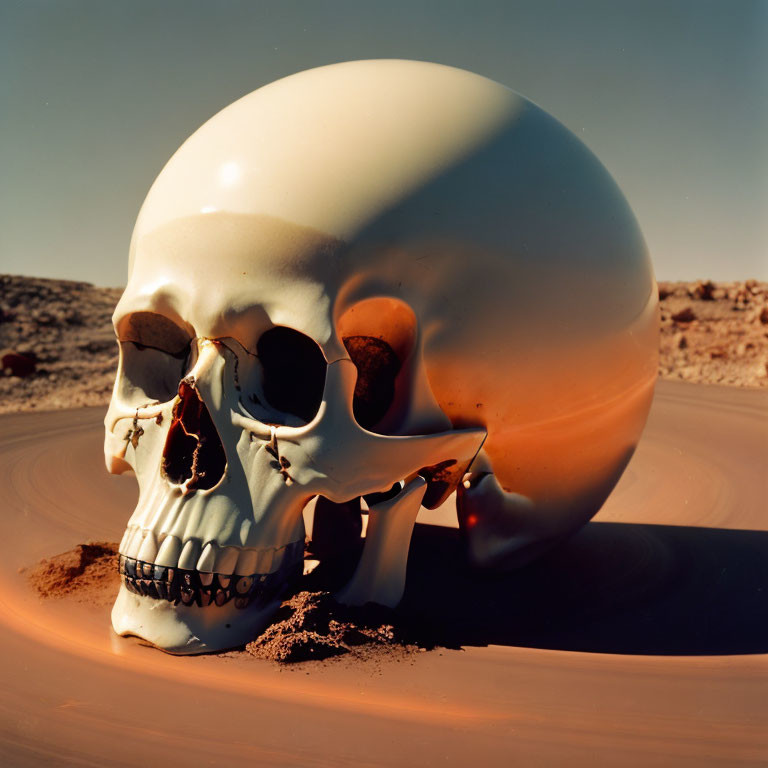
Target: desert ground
641, 641
57, 347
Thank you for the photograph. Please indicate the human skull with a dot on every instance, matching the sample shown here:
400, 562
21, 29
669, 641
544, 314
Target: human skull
366, 278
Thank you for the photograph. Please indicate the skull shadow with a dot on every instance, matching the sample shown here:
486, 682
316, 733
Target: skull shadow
610, 588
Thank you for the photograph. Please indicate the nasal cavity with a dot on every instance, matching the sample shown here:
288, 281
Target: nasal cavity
193, 451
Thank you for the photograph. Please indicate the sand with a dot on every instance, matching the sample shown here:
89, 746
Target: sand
309, 626
312, 626
88, 572
642, 641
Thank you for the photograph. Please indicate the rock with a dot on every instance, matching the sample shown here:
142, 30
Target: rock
43, 317
686, 315
704, 291
17, 364
73, 317
714, 332
744, 347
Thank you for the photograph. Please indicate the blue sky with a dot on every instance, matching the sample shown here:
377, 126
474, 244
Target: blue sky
95, 96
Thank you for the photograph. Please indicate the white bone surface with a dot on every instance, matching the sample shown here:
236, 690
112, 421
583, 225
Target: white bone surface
380, 574
207, 561
189, 555
247, 562
148, 548
531, 298
169, 552
134, 544
186, 629
227, 559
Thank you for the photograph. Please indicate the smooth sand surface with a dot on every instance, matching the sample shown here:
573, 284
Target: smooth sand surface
640, 642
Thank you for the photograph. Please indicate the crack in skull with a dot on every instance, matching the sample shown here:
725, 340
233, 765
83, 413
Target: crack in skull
281, 464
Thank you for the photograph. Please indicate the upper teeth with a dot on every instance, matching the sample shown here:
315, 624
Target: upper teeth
171, 552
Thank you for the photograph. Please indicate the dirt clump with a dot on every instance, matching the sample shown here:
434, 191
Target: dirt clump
311, 626
308, 625
88, 571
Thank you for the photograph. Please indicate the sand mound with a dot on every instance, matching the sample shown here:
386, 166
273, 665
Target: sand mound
88, 571
308, 626
313, 626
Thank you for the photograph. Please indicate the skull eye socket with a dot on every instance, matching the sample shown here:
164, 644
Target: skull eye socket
379, 335
293, 372
377, 368
154, 353
148, 329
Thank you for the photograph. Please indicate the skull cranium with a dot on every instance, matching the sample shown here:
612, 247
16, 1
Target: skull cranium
343, 284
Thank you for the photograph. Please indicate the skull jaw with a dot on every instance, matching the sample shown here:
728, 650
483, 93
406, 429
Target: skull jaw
185, 630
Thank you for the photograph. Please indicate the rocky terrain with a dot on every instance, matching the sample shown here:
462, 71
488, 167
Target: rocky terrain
57, 347
715, 333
